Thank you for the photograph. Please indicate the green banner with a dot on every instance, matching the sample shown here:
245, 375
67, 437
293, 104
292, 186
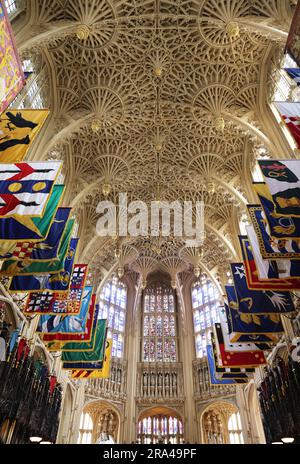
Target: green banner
11, 267
92, 351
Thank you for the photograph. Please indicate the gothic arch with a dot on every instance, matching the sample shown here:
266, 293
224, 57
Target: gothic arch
214, 419
107, 419
9, 313
160, 419
145, 412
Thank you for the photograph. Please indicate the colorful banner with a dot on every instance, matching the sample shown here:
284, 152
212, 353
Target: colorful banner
290, 114
226, 372
87, 352
270, 247
46, 250
253, 328
255, 268
253, 302
15, 229
283, 180
25, 188
246, 359
237, 347
281, 227
18, 128
293, 73
57, 282
90, 345
28, 267
56, 342
67, 325
53, 303
281, 269
12, 78
103, 373
214, 380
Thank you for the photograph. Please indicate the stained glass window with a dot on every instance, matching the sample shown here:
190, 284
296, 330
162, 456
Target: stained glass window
205, 303
235, 429
85, 429
160, 429
159, 324
112, 306
31, 94
10, 6
284, 87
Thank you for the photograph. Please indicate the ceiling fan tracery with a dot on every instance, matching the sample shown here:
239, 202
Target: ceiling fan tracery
155, 93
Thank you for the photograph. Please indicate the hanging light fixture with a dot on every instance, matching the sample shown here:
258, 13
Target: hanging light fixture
233, 30
288, 440
46, 443
35, 439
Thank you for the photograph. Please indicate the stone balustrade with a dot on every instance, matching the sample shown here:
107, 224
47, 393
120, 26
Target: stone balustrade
160, 381
113, 388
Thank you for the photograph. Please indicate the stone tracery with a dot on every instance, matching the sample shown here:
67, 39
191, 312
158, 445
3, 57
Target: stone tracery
160, 90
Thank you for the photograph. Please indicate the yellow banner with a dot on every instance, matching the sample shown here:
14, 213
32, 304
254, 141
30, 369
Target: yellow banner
103, 373
18, 128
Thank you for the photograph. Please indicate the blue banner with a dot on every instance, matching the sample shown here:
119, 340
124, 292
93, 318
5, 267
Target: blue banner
67, 324
57, 282
258, 301
270, 247
247, 328
280, 226
15, 229
212, 373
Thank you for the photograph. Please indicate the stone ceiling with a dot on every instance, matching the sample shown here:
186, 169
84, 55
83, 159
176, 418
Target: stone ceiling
153, 96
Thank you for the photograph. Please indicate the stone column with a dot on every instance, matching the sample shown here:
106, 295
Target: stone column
128, 432
187, 345
243, 410
247, 402
77, 410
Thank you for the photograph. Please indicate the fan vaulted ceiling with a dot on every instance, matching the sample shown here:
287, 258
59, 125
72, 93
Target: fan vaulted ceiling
139, 92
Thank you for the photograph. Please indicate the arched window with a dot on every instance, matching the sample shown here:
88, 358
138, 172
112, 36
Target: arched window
160, 429
112, 306
235, 429
205, 303
285, 87
31, 95
85, 429
243, 222
11, 6
159, 324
